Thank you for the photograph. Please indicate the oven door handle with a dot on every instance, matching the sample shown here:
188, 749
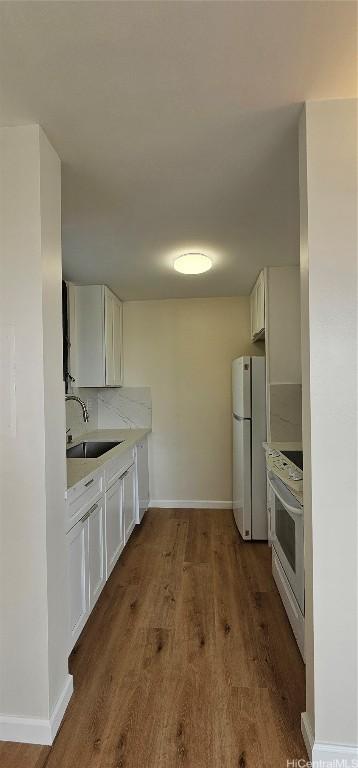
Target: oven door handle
294, 510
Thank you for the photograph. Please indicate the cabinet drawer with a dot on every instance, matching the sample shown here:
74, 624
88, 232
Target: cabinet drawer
115, 468
82, 496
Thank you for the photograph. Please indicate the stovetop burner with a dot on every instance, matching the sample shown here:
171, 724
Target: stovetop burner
295, 456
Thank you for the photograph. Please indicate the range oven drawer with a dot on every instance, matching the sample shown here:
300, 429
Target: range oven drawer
292, 609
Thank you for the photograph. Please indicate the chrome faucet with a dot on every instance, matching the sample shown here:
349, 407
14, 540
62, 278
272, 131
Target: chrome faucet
82, 404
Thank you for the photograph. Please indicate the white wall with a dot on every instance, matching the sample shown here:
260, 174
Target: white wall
306, 423
283, 354
54, 416
33, 575
328, 187
182, 349
283, 323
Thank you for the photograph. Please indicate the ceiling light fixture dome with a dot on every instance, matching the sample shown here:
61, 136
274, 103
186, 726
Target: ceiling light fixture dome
193, 263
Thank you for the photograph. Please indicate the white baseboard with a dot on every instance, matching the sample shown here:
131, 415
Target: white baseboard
334, 754
61, 706
189, 504
322, 754
34, 730
307, 733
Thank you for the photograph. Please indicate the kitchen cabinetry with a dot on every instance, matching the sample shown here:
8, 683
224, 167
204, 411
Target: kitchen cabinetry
142, 477
102, 511
97, 552
82, 496
86, 566
129, 502
78, 572
71, 334
113, 338
114, 525
99, 345
85, 553
257, 308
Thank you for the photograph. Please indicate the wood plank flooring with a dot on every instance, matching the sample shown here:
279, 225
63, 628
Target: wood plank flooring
187, 660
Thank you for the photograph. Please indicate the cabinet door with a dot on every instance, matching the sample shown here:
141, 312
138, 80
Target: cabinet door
117, 341
108, 337
142, 476
260, 303
129, 502
90, 336
257, 307
78, 569
253, 310
97, 564
114, 525
72, 332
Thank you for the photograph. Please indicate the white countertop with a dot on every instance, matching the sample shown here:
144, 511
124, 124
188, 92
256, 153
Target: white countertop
77, 469
295, 489
282, 446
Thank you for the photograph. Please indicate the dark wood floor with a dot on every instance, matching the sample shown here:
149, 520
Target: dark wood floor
187, 660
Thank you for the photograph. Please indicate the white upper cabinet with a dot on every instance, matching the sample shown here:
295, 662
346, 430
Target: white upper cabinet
113, 338
72, 333
257, 308
99, 347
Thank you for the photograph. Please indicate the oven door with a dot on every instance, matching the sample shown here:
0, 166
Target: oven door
287, 535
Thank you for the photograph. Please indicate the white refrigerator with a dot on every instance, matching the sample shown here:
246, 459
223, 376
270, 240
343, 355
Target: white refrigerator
249, 432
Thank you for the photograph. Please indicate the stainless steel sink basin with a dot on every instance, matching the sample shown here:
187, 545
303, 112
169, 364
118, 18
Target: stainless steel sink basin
90, 450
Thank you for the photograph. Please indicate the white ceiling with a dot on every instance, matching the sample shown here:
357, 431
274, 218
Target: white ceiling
176, 123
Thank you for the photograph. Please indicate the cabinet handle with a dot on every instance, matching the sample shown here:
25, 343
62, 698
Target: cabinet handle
88, 513
89, 482
127, 471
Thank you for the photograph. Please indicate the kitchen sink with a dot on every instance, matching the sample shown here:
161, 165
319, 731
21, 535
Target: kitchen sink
90, 450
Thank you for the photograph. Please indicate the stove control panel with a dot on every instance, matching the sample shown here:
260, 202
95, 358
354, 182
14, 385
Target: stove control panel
291, 475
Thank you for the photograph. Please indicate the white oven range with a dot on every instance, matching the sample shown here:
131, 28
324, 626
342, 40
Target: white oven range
285, 481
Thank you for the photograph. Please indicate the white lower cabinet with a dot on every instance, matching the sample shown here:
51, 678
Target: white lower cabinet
95, 542
129, 502
86, 566
97, 552
78, 568
114, 525
142, 472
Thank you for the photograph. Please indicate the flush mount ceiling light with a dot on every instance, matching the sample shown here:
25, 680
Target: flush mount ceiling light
193, 263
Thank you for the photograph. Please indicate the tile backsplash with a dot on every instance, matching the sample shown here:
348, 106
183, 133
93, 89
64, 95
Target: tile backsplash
286, 412
113, 408
124, 408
